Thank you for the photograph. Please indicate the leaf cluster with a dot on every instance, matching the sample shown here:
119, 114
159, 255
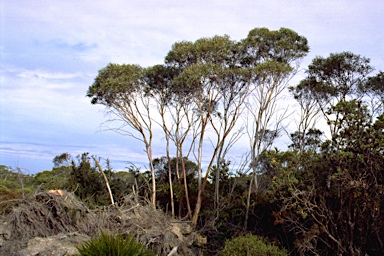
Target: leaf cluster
115, 82
113, 245
251, 245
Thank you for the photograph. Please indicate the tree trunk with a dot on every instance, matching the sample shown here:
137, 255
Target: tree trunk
170, 178
248, 203
153, 192
217, 187
105, 179
199, 160
201, 191
198, 207
185, 184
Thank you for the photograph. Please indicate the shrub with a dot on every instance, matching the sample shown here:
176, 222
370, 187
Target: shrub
251, 245
110, 245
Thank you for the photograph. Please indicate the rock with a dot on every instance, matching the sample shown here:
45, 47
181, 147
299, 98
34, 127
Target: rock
5, 233
176, 230
200, 240
58, 245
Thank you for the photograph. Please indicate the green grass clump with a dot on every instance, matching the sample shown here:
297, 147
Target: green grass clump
250, 245
113, 245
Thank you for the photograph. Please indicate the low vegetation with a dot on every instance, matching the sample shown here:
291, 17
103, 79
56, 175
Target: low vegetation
113, 245
251, 245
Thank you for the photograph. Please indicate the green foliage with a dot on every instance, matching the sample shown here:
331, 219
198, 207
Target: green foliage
374, 90
251, 245
161, 168
159, 79
223, 171
283, 45
115, 82
62, 160
57, 178
121, 183
13, 181
14, 184
311, 140
87, 182
345, 177
162, 180
340, 75
113, 245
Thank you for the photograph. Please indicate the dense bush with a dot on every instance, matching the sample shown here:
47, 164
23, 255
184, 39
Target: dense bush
111, 245
251, 245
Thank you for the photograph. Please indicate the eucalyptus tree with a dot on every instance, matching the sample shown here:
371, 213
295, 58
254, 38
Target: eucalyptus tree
174, 104
339, 77
62, 160
177, 120
159, 80
123, 92
234, 92
210, 68
373, 89
273, 57
202, 69
307, 117
183, 122
224, 75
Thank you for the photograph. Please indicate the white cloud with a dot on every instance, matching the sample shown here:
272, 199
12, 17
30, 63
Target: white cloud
40, 74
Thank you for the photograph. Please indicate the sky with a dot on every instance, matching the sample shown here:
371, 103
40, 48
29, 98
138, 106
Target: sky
51, 51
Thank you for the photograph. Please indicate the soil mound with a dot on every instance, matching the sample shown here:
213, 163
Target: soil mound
52, 223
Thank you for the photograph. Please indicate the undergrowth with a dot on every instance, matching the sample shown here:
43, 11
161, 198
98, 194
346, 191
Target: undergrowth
113, 245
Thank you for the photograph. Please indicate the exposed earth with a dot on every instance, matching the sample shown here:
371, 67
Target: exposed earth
52, 223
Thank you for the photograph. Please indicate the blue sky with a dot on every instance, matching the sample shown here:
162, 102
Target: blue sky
51, 51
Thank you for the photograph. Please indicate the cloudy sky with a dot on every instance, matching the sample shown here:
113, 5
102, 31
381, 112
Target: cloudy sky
51, 51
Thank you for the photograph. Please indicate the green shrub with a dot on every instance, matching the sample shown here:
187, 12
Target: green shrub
110, 245
3, 188
250, 245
